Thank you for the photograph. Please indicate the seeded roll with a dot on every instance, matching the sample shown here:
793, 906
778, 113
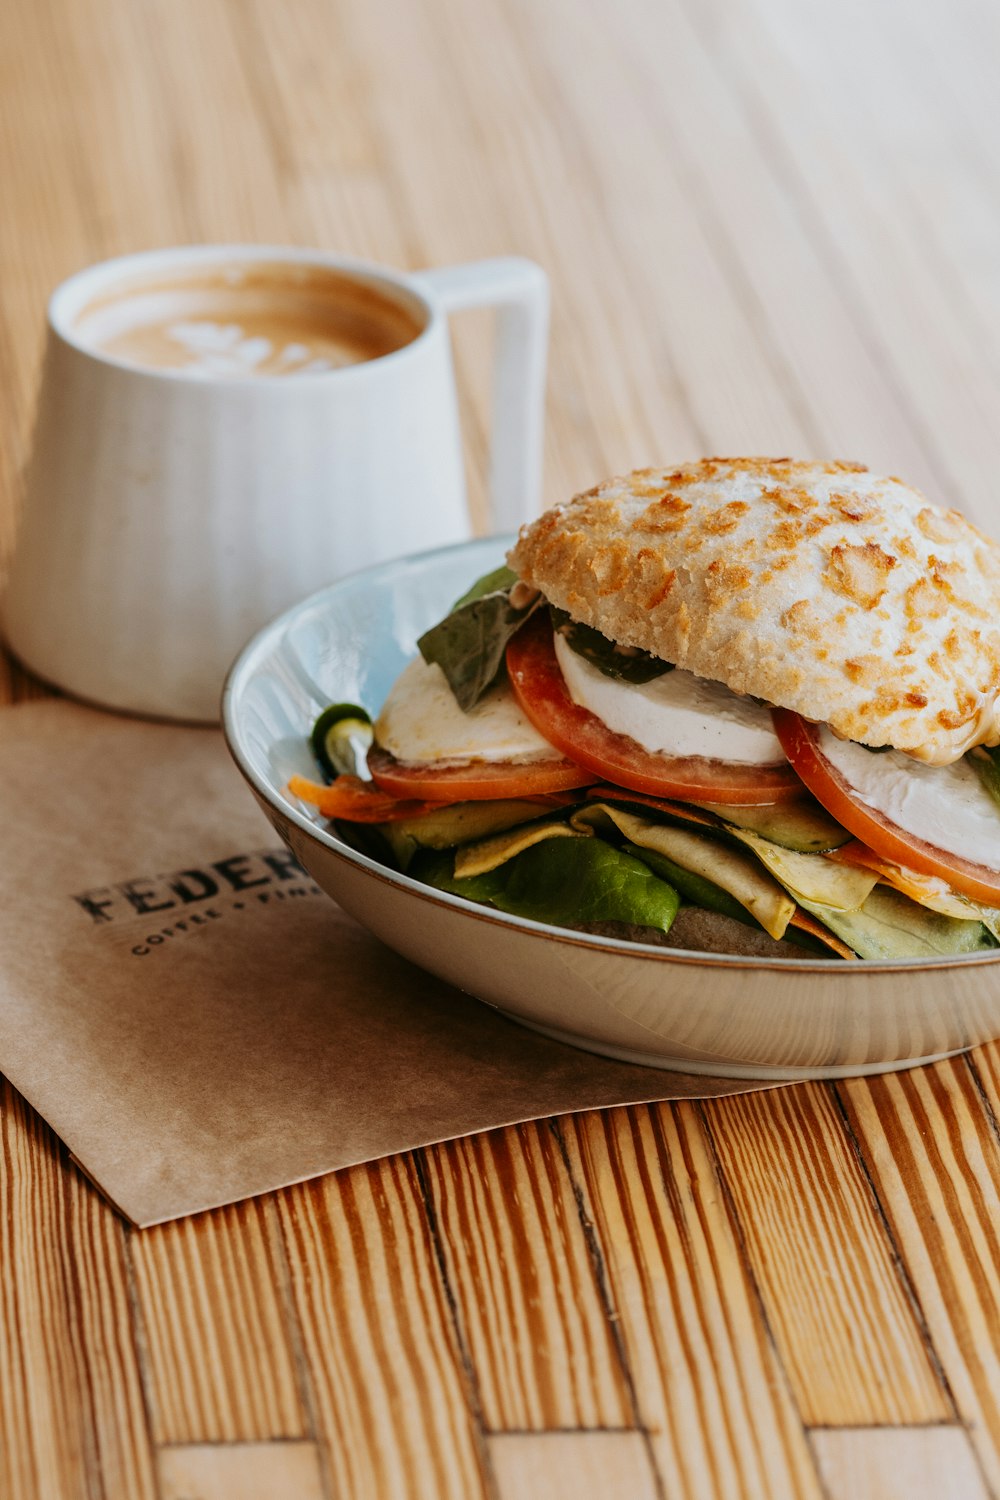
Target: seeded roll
820, 587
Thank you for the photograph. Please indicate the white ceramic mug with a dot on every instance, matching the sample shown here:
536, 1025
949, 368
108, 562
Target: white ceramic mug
168, 515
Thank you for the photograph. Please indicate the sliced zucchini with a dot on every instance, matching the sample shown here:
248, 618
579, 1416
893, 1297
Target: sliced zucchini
811, 877
890, 925
489, 854
803, 826
341, 738
463, 821
446, 827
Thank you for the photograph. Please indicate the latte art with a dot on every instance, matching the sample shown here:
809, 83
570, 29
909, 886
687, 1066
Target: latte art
233, 349
234, 322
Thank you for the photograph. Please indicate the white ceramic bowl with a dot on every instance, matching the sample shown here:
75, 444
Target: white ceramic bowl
741, 1017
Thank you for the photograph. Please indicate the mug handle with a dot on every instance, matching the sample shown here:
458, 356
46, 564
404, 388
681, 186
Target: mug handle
519, 289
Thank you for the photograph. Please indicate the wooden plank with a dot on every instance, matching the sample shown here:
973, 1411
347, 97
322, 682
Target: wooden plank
794, 308
572, 1466
882, 1463
512, 181
217, 1331
240, 1471
219, 163
390, 1393
316, 85
931, 1148
44, 230
72, 1420
663, 343
708, 1386
935, 168
519, 1269
837, 1307
896, 294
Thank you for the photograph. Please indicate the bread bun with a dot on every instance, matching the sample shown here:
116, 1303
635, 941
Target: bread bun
819, 587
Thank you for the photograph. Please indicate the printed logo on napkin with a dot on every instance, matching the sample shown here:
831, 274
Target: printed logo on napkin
193, 898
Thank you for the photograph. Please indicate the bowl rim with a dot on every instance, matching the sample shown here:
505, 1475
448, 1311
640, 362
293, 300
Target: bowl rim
262, 643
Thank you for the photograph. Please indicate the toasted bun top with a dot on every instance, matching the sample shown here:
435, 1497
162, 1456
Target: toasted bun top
819, 587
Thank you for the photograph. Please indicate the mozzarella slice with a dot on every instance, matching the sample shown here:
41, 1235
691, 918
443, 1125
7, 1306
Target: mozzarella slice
423, 725
946, 806
676, 714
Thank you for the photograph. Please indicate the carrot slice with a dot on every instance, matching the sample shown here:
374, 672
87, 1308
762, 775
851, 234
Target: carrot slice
908, 882
356, 801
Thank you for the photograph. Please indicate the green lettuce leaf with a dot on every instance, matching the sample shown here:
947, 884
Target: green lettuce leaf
694, 889
733, 870
566, 882
469, 643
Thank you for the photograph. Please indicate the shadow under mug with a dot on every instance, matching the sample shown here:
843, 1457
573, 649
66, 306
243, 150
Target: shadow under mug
168, 515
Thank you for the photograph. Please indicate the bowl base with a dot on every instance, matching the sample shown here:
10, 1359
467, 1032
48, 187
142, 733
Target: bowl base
755, 1072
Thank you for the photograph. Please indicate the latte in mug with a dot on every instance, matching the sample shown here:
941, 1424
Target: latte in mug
224, 429
246, 321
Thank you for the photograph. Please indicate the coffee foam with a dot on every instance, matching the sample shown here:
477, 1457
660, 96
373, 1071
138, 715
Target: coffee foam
244, 321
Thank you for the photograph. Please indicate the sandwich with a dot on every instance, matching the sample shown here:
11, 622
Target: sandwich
743, 705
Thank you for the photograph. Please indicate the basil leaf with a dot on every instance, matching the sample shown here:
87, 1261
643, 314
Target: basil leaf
469, 643
500, 581
627, 663
566, 882
986, 764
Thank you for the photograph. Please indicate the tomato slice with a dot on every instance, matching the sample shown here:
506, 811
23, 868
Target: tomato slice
800, 742
474, 781
541, 691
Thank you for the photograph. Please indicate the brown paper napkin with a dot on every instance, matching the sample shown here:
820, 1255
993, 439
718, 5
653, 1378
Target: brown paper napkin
195, 1018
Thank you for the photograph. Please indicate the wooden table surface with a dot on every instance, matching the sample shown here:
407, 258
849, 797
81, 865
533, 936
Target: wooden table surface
772, 226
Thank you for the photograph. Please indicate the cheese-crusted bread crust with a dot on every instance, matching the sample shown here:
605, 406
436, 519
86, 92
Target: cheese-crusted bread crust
820, 587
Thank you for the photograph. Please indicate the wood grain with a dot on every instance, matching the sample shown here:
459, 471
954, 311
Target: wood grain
213, 1283
72, 1418
897, 293
391, 1397
769, 227
529, 1307
708, 1386
930, 1143
840, 1313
